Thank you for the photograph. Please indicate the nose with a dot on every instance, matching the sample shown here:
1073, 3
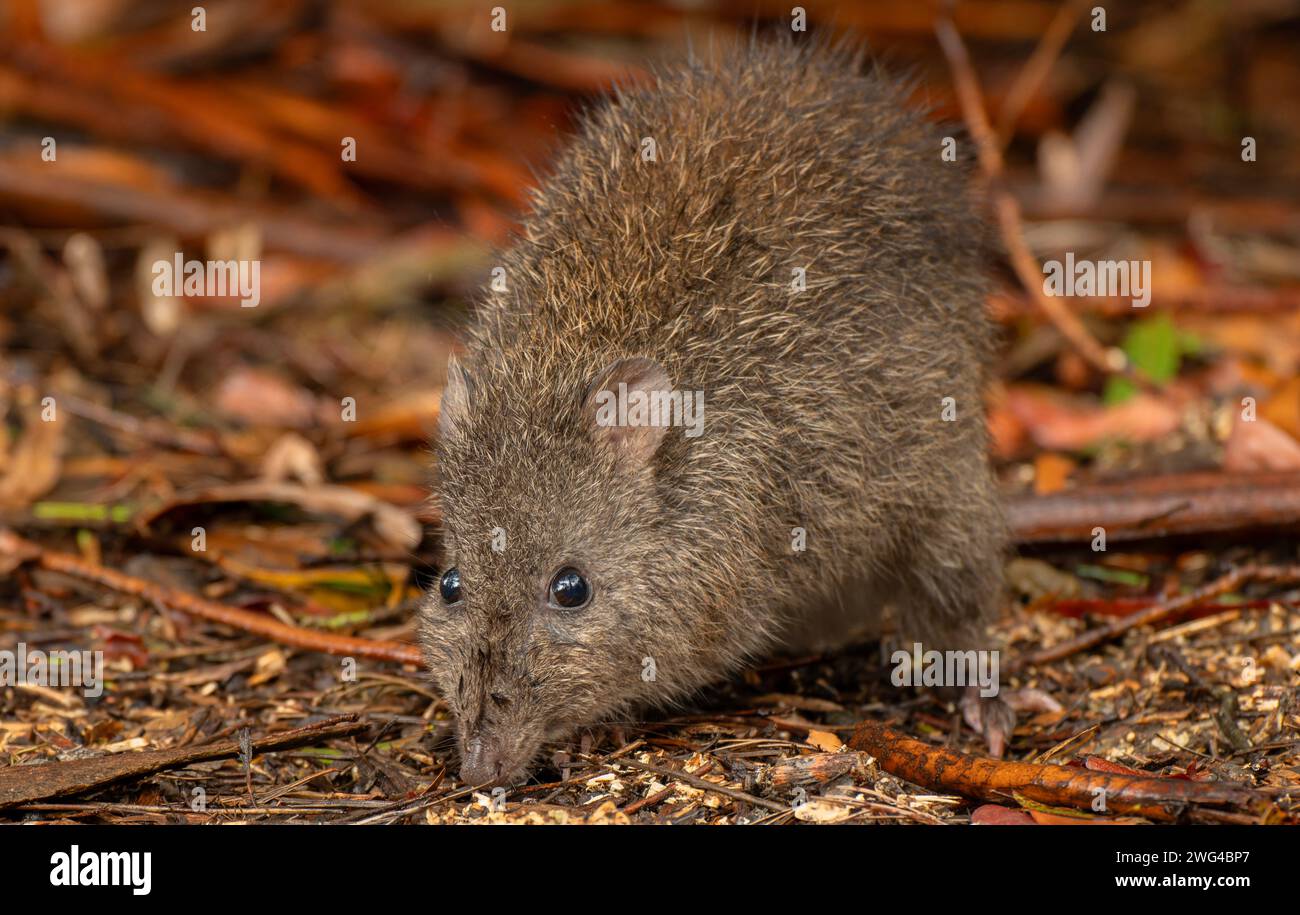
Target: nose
482, 762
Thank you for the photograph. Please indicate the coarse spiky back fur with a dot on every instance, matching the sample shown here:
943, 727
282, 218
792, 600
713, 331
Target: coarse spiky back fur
824, 406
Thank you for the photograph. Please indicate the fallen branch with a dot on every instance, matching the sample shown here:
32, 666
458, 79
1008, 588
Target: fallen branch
23, 784
1165, 799
1194, 503
1162, 610
256, 623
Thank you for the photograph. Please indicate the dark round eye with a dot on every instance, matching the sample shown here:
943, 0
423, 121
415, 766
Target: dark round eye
449, 586
569, 589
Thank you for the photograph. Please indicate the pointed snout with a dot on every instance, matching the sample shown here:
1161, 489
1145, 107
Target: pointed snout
484, 760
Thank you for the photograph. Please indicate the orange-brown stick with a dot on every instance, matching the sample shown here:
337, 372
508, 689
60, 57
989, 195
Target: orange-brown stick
946, 770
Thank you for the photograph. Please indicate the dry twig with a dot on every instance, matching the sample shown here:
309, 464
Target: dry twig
256, 623
1162, 610
1008, 209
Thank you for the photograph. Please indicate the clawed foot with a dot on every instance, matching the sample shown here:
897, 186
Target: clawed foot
995, 716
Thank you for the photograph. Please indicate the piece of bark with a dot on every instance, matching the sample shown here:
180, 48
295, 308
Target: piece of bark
802, 771
24, 784
948, 771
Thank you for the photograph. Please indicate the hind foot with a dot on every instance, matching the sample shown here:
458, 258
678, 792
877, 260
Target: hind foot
995, 716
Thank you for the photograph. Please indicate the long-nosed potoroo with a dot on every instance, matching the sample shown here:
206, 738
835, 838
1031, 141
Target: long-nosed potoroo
723, 398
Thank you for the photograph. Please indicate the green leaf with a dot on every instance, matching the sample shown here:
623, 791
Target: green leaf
1154, 346
80, 511
1117, 390
1112, 575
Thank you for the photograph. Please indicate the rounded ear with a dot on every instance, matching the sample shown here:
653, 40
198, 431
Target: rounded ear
454, 405
622, 404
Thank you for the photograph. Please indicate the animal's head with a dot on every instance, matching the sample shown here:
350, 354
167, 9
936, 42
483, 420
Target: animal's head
552, 609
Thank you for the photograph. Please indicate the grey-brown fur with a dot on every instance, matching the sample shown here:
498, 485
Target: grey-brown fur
823, 408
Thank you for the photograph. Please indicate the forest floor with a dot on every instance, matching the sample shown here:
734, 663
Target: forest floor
230, 503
